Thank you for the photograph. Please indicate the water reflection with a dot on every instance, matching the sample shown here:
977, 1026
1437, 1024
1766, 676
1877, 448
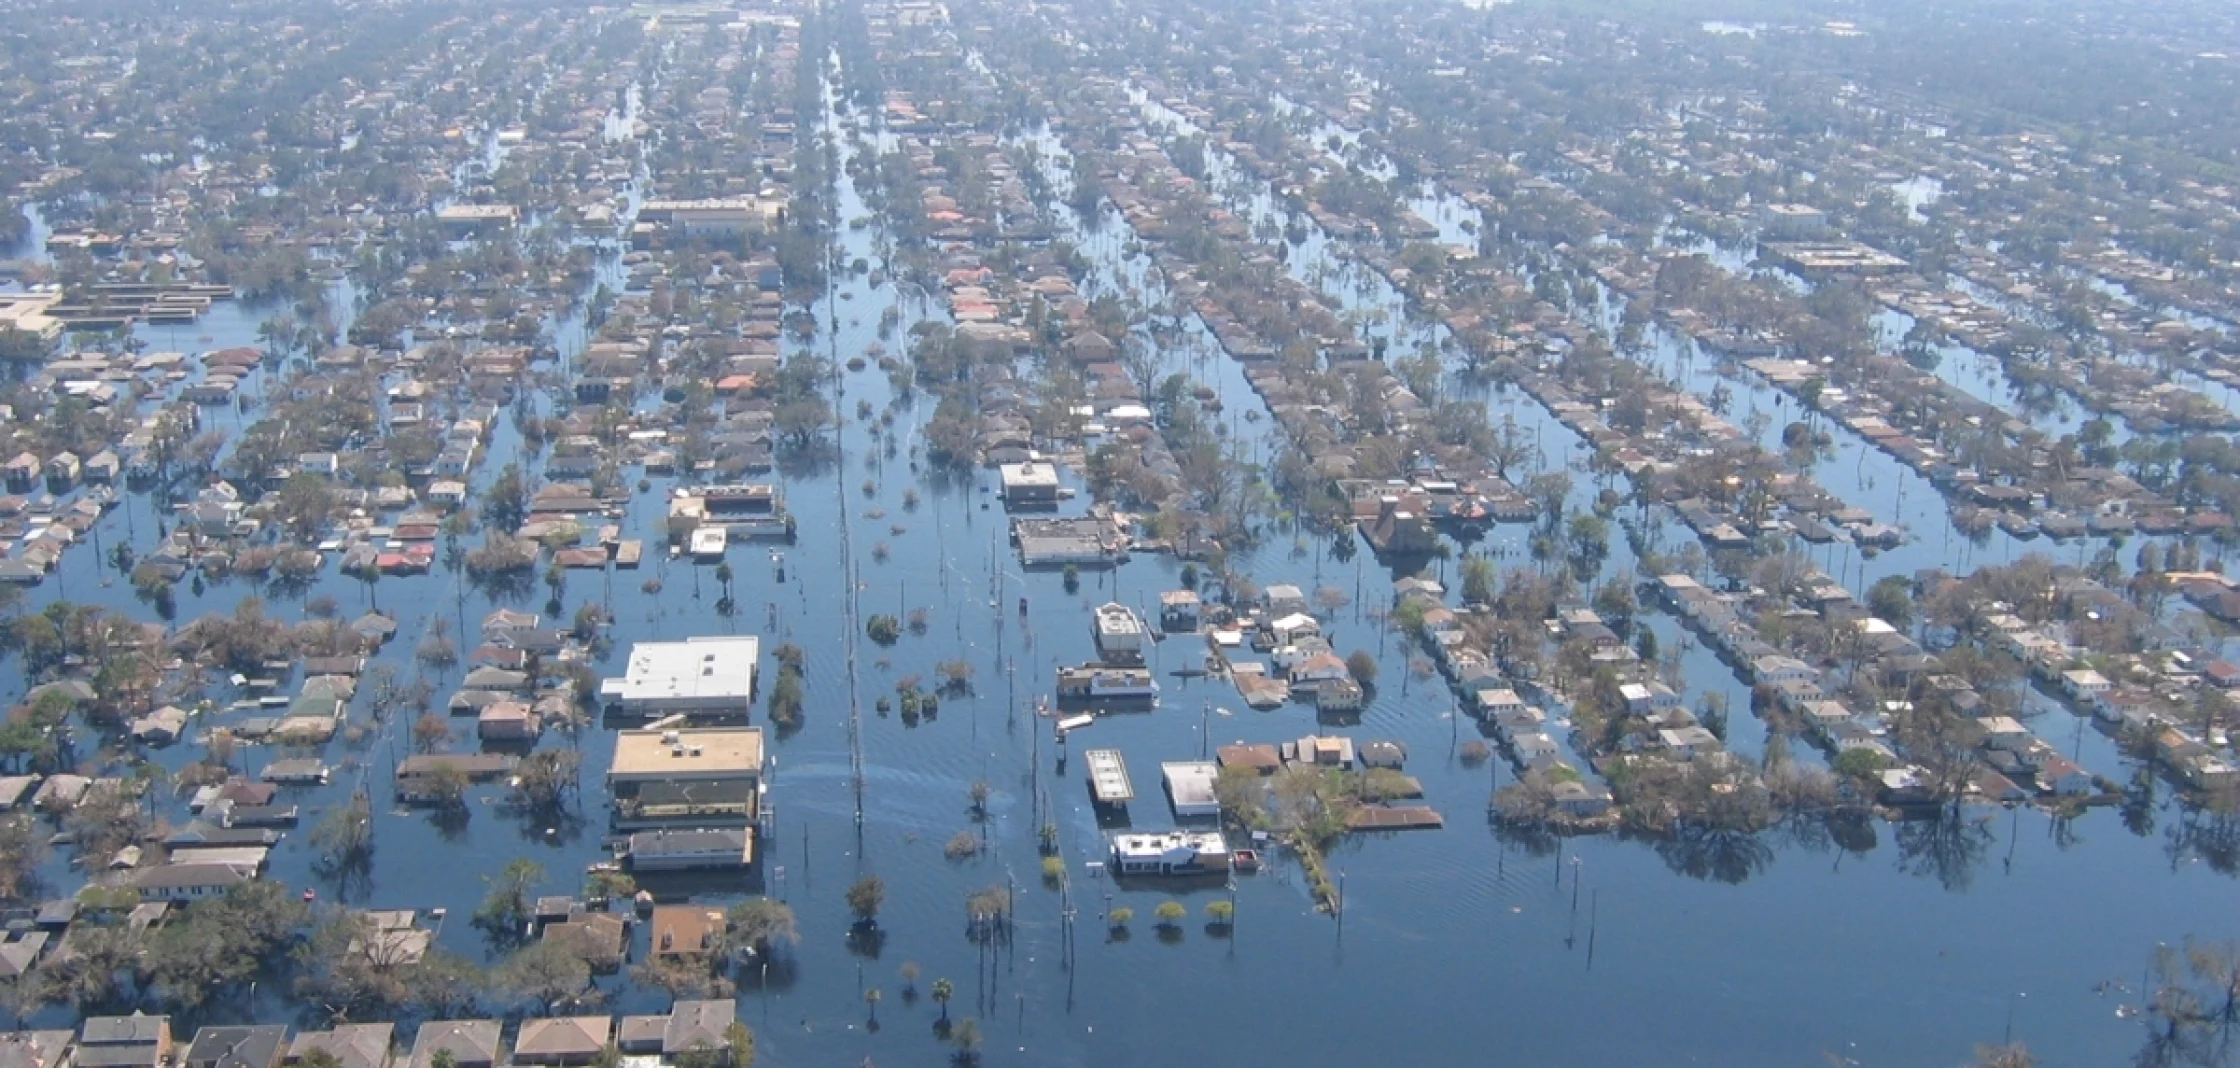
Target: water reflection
1946, 847
2207, 832
1714, 854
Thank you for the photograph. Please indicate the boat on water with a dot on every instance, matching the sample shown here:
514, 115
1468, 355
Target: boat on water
709, 542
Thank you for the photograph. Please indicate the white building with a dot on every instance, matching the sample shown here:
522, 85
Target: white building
1284, 599
475, 218
1190, 788
1776, 668
2084, 683
1119, 634
1292, 627
1030, 484
712, 218
1792, 220
709, 677
1645, 698
684, 849
1169, 853
1498, 701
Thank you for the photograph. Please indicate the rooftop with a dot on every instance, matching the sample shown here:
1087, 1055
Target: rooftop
477, 212
237, 1047
1165, 842
563, 1036
33, 1049
1030, 474
712, 672
1115, 619
697, 1024
1190, 783
351, 1045
686, 928
696, 752
471, 1042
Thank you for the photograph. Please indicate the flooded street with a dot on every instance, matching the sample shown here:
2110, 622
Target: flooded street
1875, 941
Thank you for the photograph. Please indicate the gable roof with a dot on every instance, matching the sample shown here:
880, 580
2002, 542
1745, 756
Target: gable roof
33, 1049
698, 1025
685, 928
352, 1045
256, 1046
470, 1042
563, 1036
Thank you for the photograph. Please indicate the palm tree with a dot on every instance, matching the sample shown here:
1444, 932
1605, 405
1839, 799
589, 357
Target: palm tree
943, 990
871, 998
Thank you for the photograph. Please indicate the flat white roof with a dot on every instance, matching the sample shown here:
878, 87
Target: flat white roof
1165, 842
477, 211
1032, 473
1115, 619
1190, 784
712, 672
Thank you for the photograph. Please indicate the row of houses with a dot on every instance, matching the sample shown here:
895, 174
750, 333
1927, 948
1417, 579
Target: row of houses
1523, 728
691, 1027
2007, 754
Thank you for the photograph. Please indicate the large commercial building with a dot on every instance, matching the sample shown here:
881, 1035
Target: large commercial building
693, 777
727, 217
700, 678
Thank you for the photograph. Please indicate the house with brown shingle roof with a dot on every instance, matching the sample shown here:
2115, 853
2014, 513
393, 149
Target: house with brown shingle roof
683, 930
563, 1040
471, 1043
699, 1025
351, 1045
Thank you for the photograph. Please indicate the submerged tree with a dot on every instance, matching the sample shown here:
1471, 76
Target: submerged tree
2193, 1004
760, 925
345, 835
864, 899
505, 910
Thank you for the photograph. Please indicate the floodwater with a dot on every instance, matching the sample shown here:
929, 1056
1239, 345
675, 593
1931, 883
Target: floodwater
1916, 193
1778, 951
